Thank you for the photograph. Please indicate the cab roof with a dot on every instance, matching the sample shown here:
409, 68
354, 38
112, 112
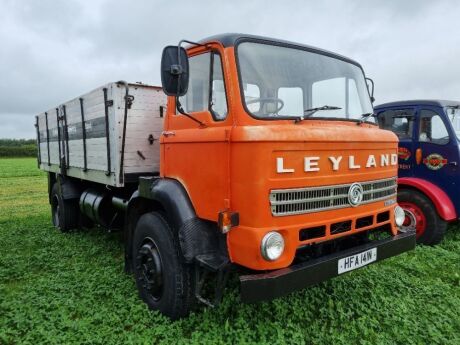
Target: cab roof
414, 102
232, 39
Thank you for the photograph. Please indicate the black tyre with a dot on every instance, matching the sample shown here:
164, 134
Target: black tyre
64, 213
163, 280
421, 216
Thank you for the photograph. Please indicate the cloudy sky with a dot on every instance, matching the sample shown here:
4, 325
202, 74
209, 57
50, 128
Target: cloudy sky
54, 50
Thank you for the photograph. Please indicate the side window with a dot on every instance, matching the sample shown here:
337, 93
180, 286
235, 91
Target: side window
432, 129
205, 73
293, 101
251, 93
197, 96
400, 121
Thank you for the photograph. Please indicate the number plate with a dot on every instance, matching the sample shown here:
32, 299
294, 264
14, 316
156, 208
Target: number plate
358, 260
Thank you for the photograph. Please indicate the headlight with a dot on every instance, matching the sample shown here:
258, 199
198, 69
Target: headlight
400, 215
272, 246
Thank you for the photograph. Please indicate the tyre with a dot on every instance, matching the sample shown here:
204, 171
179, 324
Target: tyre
164, 281
421, 216
64, 213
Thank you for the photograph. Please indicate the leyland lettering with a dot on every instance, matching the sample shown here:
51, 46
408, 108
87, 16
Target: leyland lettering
336, 162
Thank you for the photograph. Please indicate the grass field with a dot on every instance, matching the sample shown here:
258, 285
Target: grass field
70, 288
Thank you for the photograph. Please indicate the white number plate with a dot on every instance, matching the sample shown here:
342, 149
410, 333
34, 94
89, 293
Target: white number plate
358, 260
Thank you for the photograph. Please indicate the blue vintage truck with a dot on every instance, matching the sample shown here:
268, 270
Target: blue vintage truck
429, 157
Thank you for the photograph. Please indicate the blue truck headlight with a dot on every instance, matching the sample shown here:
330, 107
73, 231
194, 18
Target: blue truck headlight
272, 246
399, 215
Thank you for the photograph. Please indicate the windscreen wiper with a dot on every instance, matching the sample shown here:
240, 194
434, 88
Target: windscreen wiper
311, 111
364, 117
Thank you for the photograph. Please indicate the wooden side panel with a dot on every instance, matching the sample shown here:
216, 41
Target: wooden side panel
144, 120
141, 155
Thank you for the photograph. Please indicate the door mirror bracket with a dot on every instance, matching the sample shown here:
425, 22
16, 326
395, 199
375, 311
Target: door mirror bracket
370, 87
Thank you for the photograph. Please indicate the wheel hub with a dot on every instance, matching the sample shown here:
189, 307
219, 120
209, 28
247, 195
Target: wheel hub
150, 269
414, 218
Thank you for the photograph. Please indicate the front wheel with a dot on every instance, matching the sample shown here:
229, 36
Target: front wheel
163, 280
421, 216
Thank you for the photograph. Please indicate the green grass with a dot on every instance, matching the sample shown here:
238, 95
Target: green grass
70, 288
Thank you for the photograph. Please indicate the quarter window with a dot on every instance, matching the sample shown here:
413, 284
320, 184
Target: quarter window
218, 96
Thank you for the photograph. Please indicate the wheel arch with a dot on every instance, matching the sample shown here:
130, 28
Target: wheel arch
68, 187
438, 197
196, 236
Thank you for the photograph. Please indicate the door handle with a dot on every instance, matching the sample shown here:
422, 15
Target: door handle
168, 133
453, 163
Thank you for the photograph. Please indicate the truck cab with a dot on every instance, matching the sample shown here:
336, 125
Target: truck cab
429, 155
276, 134
267, 162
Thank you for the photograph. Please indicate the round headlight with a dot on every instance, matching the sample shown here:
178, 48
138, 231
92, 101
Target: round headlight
272, 246
400, 215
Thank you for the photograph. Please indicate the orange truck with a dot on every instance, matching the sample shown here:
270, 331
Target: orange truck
257, 156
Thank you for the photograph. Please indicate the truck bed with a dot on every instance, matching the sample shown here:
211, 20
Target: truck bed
83, 137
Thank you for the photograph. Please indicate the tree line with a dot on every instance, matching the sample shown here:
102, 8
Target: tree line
18, 148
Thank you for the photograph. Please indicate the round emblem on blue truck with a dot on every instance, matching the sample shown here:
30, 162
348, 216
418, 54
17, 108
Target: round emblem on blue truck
355, 194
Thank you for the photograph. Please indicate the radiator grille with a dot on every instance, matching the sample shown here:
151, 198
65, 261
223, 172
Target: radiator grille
285, 202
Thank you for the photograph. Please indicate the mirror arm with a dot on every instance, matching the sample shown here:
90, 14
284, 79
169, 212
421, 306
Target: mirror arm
178, 71
189, 42
372, 92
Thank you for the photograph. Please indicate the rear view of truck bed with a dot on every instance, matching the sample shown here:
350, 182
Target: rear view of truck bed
87, 138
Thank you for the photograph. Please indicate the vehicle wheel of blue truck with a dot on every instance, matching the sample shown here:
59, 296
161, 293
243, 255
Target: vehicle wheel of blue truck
64, 213
163, 280
421, 216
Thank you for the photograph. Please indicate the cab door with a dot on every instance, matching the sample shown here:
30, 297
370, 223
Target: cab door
196, 144
401, 122
438, 149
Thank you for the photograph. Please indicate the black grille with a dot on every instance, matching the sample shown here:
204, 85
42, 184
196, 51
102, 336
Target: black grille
338, 228
383, 217
364, 221
309, 233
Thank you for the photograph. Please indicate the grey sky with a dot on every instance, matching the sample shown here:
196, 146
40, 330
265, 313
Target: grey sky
52, 51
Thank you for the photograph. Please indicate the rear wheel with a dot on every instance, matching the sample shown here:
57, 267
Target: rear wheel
64, 213
163, 280
421, 216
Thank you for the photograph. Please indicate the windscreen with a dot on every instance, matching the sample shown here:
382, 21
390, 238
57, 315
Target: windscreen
279, 82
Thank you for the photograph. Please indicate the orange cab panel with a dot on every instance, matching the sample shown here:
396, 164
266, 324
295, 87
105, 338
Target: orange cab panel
276, 176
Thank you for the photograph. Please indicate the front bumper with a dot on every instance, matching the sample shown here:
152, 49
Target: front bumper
266, 286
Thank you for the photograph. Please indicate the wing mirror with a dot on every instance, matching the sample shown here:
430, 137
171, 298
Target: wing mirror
370, 87
174, 71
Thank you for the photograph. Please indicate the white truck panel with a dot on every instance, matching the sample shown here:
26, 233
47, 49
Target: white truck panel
140, 155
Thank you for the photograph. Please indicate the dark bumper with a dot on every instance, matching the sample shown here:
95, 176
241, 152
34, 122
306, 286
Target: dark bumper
266, 286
